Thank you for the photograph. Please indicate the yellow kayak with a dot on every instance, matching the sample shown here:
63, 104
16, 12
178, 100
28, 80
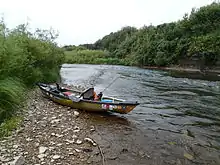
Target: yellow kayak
85, 100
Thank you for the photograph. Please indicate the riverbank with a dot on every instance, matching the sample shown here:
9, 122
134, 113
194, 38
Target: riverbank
54, 134
182, 69
50, 134
194, 73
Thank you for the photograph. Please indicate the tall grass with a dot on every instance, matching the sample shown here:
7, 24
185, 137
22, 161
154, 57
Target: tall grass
25, 58
11, 97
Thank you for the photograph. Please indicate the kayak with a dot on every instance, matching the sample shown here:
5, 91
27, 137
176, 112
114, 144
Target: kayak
83, 100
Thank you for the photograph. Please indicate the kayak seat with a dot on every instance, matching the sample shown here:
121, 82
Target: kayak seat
88, 94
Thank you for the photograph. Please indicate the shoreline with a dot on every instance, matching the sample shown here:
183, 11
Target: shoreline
50, 134
183, 69
54, 134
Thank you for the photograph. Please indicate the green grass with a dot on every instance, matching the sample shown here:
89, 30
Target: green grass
11, 97
7, 127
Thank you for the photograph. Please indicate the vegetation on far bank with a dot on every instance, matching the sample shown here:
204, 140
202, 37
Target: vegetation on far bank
194, 39
25, 58
81, 55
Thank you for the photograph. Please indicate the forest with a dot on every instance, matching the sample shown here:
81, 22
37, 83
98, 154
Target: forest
193, 40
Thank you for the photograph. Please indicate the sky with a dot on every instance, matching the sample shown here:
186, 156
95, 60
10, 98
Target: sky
86, 21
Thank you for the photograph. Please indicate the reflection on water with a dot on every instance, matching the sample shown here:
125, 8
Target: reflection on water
180, 106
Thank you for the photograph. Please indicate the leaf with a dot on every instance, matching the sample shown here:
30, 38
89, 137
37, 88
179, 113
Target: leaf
188, 156
172, 143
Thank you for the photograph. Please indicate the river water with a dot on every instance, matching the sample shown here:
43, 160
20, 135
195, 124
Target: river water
177, 121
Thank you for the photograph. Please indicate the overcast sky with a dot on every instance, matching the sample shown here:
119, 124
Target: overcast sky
85, 21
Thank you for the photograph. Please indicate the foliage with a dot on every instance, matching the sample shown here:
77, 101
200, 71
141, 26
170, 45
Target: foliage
73, 48
11, 96
9, 125
25, 58
197, 34
89, 57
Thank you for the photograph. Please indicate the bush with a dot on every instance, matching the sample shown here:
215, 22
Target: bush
85, 56
25, 58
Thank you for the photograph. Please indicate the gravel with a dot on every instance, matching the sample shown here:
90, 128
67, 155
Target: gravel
50, 134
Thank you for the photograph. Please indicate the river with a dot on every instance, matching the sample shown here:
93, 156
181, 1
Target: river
177, 121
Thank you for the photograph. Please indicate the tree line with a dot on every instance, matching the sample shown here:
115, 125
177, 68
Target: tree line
195, 37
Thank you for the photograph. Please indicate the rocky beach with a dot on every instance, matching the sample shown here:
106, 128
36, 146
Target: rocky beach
51, 134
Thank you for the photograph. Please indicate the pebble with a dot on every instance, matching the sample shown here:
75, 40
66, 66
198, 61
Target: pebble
74, 136
75, 131
42, 149
55, 121
70, 141
77, 150
75, 113
90, 141
40, 156
92, 128
56, 157
15, 146
37, 144
58, 135
60, 144
29, 139
79, 141
76, 127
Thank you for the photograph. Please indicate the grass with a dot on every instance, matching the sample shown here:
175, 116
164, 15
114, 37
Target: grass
12, 94
11, 97
9, 125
